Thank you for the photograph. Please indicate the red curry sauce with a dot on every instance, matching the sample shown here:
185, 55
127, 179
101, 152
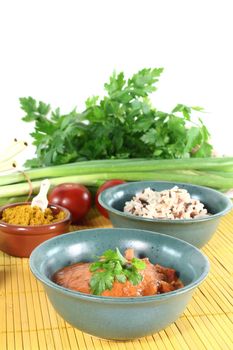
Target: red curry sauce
156, 280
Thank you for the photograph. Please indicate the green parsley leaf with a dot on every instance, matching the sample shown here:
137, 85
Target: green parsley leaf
95, 266
122, 124
112, 266
135, 278
121, 278
101, 281
138, 264
114, 255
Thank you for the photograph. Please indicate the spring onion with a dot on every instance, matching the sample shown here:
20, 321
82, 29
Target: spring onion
123, 166
93, 173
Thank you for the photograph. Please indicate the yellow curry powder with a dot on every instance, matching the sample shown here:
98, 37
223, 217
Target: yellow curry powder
29, 216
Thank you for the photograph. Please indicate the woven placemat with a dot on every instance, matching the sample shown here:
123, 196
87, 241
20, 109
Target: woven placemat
29, 322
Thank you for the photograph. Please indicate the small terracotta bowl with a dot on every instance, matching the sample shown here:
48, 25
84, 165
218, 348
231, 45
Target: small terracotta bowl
19, 240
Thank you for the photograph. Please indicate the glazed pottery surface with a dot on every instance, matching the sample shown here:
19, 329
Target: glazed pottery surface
118, 318
195, 231
18, 240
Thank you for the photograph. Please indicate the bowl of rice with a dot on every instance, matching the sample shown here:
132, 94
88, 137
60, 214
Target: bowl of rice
185, 211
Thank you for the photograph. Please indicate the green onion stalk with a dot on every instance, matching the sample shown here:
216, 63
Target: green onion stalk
216, 173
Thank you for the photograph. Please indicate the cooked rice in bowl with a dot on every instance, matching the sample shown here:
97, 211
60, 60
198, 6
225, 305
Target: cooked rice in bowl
173, 204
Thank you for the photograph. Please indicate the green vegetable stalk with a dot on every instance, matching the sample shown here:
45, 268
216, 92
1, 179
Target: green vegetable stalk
218, 166
93, 173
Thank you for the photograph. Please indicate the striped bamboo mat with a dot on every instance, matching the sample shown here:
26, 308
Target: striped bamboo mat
29, 322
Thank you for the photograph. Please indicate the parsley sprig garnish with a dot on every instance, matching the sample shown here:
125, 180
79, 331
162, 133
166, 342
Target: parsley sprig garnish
113, 266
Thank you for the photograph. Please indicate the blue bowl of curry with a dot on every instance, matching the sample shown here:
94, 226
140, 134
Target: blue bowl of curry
131, 315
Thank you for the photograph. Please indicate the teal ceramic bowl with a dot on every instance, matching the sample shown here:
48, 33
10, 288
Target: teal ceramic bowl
118, 318
194, 231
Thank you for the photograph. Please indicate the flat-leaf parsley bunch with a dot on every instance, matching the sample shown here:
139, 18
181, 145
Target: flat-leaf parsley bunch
122, 124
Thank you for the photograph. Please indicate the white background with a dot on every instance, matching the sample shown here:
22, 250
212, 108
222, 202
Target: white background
61, 52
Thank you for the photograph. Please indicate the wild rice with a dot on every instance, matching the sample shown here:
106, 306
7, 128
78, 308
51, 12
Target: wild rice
174, 204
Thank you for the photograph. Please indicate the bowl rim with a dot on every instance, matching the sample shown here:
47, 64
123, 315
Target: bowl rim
35, 227
229, 204
98, 298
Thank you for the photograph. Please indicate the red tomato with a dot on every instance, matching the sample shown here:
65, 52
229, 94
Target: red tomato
107, 184
74, 197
